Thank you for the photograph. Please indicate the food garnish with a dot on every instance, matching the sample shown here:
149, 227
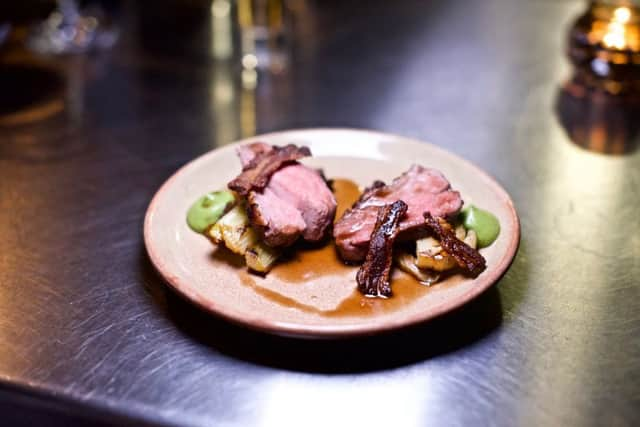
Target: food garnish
484, 223
276, 201
422, 189
295, 202
407, 263
234, 231
431, 255
415, 222
467, 258
257, 171
373, 275
205, 211
439, 246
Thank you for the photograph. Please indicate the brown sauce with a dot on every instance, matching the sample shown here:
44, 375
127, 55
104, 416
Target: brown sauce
346, 193
405, 289
308, 263
276, 297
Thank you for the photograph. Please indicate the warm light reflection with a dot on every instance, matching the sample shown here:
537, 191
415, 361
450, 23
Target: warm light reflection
222, 103
245, 18
288, 400
574, 194
34, 114
223, 92
249, 79
220, 8
247, 115
622, 15
249, 61
616, 35
221, 29
231, 97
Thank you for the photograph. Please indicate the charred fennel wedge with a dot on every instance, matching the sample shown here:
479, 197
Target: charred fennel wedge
407, 263
235, 232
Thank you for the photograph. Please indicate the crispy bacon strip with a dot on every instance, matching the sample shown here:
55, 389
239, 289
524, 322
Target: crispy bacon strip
466, 257
256, 174
373, 275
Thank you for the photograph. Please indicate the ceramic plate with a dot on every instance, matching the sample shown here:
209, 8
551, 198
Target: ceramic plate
320, 299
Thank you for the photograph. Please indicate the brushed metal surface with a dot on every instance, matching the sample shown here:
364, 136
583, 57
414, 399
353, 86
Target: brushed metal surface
85, 319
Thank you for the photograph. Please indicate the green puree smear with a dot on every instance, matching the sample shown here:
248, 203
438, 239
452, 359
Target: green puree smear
484, 223
208, 209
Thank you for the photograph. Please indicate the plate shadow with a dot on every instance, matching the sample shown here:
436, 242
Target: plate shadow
448, 333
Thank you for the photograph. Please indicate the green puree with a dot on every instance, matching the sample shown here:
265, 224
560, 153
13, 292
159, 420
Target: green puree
208, 209
484, 223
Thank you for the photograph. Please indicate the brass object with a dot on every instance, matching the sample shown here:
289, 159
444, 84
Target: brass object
599, 106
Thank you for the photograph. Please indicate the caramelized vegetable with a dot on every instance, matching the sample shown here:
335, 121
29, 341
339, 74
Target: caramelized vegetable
233, 230
430, 255
467, 258
407, 263
261, 257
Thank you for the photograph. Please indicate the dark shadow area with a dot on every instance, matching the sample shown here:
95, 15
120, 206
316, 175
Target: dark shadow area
38, 124
23, 13
173, 28
25, 87
31, 408
442, 335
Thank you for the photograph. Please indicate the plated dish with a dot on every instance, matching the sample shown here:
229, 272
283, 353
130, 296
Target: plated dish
310, 291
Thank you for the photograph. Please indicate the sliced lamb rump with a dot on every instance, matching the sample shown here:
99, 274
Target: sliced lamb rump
422, 189
293, 201
306, 190
279, 222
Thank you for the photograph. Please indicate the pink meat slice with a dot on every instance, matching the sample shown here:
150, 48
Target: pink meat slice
295, 203
422, 189
304, 188
279, 222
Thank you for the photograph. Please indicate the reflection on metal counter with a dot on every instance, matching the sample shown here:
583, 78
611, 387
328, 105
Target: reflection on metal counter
263, 33
39, 95
600, 105
598, 121
71, 29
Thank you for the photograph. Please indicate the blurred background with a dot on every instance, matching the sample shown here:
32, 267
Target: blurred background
102, 100
67, 65
221, 70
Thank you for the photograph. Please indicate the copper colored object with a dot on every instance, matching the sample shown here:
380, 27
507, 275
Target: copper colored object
604, 47
600, 105
598, 121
